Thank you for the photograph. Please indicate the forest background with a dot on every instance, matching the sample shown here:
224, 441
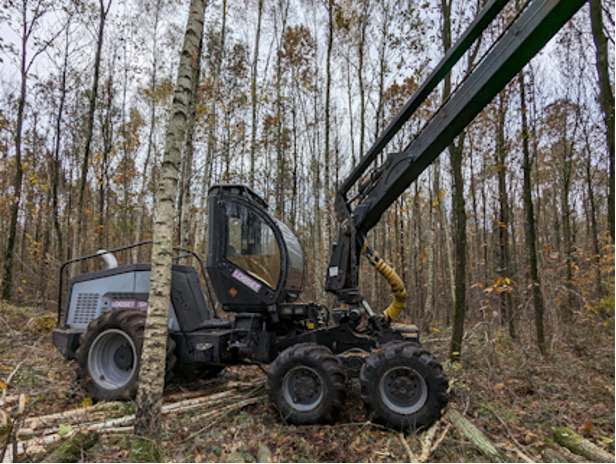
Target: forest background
291, 95
513, 225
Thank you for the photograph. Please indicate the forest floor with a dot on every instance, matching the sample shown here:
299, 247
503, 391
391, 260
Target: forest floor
507, 390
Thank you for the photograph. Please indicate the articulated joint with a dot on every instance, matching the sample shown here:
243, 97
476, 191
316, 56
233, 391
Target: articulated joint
396, 283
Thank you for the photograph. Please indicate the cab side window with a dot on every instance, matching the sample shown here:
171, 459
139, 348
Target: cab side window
252, 245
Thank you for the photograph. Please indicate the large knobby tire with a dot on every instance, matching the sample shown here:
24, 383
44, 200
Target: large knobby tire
109, 354
306, 384
403, 386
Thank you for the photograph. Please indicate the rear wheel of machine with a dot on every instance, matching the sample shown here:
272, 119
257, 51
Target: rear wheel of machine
404, 386
306, 384
109, 354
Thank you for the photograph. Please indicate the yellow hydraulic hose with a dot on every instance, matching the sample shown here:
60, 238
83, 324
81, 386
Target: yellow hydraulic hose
397, 286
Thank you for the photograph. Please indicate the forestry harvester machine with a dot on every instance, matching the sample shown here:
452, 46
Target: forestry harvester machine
256, 267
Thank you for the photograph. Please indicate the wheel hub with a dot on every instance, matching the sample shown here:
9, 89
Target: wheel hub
302, 388
123, 357
403, 390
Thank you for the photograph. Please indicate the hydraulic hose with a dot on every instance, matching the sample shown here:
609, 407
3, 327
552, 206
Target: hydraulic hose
396, 283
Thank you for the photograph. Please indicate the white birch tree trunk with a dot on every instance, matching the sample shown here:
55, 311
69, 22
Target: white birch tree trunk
152, 372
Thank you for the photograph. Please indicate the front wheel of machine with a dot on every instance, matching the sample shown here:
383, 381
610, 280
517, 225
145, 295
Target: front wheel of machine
306, 384
109, 354
404, 386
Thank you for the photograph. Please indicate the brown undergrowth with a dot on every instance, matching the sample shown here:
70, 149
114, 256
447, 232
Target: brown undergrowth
508, 390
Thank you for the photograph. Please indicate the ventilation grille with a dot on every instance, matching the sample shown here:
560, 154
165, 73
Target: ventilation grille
85, 309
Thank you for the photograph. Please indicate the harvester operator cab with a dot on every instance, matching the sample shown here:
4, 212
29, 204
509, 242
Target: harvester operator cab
253, 260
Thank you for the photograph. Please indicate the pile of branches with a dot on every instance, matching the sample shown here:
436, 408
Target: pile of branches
32, 434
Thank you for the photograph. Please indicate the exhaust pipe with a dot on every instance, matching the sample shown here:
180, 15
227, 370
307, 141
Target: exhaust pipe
109, 259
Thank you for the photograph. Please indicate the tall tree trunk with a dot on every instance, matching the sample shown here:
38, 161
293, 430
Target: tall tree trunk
253, 95
151, 149
211, 143
56, 163
606, 98
419, 268
351, 119
567, 308
152, 372
362, 24
7, 275
78, 234
459, 209
431, 287
594, 230
458, 283
280, 159
328, 80
531, 240
103, 180
187, 161
503, 223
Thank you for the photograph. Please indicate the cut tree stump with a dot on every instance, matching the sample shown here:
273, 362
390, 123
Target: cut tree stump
71, 449
566, 437
477, 438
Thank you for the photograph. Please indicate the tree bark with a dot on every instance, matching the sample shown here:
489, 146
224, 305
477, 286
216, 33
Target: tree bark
211, 143
457, 282
56, 162
503, 222
594, 229
7, 277
531, 239
550, 455
606, 97
187, 161
565, 189
431, 286
569, 439
477, 438
280, 158
152, 374
328, 80
362, 24
459, 309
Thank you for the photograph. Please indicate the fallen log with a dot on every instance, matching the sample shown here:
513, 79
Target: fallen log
566, 437
101, 422
71, 449
550, 455
72, 416
476, 437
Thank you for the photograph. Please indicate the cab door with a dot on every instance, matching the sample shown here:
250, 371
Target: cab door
245, 259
